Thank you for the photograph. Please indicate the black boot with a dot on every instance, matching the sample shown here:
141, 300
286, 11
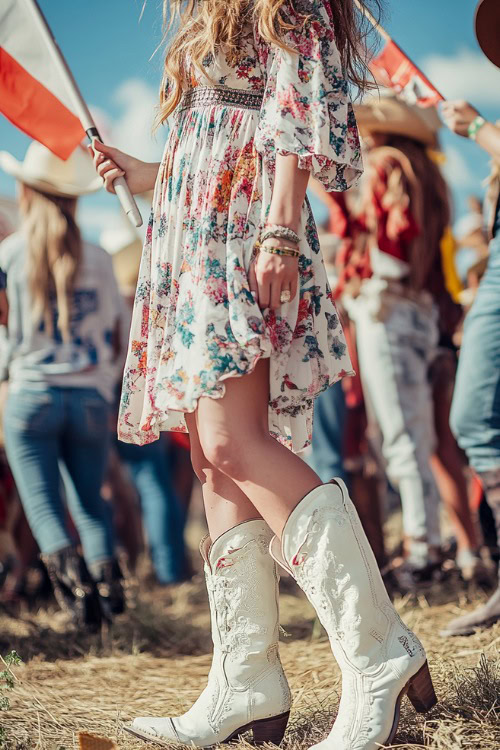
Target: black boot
74, 588
108, 579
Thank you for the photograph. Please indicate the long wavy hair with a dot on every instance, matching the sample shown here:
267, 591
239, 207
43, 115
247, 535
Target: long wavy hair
54, 255
203, 26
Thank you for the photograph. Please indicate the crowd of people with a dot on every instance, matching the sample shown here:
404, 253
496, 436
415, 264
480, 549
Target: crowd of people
76, 495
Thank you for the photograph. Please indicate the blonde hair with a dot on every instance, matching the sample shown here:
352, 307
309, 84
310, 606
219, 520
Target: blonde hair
54, 255
205, 25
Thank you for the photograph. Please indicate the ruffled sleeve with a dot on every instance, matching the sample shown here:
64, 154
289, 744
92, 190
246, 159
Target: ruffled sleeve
307, 109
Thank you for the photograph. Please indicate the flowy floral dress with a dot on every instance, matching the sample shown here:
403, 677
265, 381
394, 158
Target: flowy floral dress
195, 321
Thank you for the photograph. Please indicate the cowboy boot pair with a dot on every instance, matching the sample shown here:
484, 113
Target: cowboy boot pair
325, 549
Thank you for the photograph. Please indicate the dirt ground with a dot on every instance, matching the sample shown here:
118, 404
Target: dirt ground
156, 658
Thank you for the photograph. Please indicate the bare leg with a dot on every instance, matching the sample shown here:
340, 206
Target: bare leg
225, 504
234, 436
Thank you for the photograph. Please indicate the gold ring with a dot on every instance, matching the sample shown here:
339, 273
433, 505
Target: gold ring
285, 296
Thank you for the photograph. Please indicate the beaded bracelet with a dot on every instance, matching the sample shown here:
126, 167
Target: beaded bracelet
475, 126
291, 252
276, 231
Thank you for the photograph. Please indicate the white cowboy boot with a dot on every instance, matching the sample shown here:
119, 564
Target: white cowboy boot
247, 688
325, 549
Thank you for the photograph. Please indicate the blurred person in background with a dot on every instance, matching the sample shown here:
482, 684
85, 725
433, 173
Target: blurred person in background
60, 355
394, 289
475, 415
339, 444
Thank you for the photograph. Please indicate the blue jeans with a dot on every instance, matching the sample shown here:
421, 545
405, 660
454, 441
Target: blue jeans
330, 415
47, 427
161, 510
475, 412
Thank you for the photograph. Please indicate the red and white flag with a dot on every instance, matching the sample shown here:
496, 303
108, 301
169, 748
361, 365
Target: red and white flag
33, 94
393, 69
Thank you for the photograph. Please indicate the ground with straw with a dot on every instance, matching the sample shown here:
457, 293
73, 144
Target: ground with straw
156, 658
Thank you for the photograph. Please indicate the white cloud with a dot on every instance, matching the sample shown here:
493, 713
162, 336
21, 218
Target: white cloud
131, 132
457, 171
466, 75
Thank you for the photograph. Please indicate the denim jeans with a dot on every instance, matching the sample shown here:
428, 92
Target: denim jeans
475, 412
328, 434
396, 339
161, 510
44, 428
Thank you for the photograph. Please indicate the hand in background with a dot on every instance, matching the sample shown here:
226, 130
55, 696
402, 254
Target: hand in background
458, 115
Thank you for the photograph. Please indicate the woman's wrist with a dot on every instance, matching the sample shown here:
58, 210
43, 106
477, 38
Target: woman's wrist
283, 216
152, 169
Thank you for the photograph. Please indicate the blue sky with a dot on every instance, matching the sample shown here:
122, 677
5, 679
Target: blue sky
109, 52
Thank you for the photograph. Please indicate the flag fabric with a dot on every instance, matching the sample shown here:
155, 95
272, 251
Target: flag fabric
392, 68
33, 94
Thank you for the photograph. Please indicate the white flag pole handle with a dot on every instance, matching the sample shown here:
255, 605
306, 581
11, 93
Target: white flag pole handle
120, 185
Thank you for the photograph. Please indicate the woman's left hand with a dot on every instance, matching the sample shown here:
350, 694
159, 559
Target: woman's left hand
458, 115
271, 275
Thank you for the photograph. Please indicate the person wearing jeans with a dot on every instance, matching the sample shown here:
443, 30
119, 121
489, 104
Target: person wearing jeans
475, 414
47, 426
162, 514
61, 355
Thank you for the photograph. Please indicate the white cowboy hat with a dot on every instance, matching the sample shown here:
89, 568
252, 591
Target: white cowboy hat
44, 171
386, 112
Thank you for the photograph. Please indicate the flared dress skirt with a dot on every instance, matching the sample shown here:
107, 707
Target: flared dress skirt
195, 321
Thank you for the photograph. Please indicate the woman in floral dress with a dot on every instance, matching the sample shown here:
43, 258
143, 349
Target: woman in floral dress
234, 334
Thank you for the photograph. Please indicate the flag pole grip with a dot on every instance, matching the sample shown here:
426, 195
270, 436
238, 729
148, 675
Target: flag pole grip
82, 111
121, 188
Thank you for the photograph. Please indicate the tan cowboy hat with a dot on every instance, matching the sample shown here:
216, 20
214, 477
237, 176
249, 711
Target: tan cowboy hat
488, 29
44, 171
386, 112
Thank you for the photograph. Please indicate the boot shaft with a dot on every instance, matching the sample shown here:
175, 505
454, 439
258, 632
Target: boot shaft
327, 552
242, 584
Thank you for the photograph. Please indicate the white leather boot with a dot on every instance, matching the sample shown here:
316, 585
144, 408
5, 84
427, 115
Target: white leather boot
325, 549
247, 688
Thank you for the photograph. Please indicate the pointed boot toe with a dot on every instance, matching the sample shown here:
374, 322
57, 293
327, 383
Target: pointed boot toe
159, 729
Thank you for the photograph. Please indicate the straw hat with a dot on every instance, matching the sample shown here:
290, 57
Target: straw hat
386, 112
44, 171
488, 29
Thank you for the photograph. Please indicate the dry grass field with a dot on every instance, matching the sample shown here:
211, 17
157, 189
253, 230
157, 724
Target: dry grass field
156, 658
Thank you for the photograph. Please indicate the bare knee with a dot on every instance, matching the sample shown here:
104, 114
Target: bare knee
224, 455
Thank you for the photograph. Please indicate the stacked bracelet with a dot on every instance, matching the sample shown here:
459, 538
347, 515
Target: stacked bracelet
475, 126
291, 252
276, 231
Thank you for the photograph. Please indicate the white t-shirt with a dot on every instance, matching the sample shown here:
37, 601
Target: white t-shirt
31, 356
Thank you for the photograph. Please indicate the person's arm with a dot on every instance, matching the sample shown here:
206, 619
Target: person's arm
459, 116
111, 163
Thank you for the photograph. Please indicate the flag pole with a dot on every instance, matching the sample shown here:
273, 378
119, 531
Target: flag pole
120, 184
387, 38
376, 25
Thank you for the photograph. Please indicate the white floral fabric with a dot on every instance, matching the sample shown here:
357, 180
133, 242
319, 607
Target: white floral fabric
195, 321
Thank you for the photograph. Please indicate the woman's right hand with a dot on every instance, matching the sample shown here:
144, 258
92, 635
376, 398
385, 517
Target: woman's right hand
111, 163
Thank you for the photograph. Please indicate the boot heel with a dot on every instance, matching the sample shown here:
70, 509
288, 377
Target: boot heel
421, 690
270, 730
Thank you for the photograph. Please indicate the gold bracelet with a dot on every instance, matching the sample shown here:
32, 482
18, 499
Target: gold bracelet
290, 252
